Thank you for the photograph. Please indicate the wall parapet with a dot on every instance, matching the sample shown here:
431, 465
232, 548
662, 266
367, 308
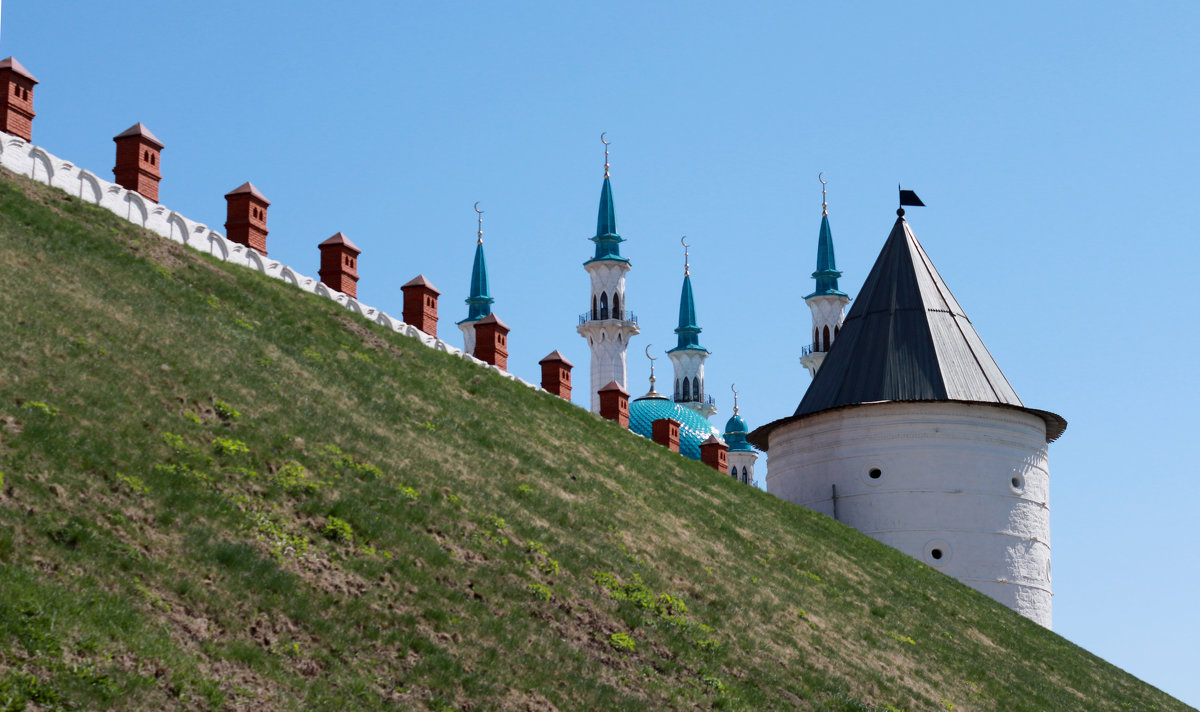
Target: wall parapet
27, 159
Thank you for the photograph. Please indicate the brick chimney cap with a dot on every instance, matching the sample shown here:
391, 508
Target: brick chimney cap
17, 68
492, 319
340, 240
139, 130
614, 386
420, 281
248, 188
556, 356
712, 440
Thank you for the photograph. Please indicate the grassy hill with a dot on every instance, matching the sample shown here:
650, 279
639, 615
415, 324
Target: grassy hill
222, 493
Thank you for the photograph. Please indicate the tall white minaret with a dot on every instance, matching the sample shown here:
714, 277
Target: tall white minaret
689, 356
609, 324
827, 303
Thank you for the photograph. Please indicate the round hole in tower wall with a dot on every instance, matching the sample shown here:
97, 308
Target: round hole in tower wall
873, 474
1017, 483
937, 552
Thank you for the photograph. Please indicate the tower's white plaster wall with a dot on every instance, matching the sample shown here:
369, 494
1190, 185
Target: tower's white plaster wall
828, 310
468, 332
608, 339
970, 481
689, 363
740, 459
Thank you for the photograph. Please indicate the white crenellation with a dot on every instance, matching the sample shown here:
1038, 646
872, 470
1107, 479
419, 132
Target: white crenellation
828, 312
606, 329
963, 487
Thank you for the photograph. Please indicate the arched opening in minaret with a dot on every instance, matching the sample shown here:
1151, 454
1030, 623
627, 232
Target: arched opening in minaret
687, 391
733, 472
816, 339
616, 313
676, 396
696, 388
826, 333
745, 476
595, 311
603, 305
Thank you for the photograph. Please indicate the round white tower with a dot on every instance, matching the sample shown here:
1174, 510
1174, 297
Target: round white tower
911, 434
827, 303
609, 324
689, 356
741, 456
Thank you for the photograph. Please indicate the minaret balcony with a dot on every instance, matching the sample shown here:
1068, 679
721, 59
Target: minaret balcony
606, 315
707, 400
812, 349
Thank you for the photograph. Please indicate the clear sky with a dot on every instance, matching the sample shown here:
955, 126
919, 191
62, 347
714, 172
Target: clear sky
1055, 145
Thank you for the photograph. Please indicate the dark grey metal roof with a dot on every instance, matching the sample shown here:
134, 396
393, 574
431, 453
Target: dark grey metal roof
907, 339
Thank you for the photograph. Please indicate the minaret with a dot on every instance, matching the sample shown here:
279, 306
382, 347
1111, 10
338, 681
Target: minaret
742, 455
827, 303
689, 356
480, 301
608, 325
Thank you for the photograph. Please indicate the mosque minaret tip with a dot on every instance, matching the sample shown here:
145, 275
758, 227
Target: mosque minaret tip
479, 303
689, 356
608, 324
827, 302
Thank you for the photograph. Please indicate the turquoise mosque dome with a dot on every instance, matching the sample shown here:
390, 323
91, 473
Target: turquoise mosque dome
693, 427
735, 435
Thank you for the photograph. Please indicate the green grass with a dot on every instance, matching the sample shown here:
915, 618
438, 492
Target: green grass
221, 493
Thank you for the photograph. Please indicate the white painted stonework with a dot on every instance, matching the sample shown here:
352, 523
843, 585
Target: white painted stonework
468, 332
607, 339
968, 482
742, 459
689, 364
828, 311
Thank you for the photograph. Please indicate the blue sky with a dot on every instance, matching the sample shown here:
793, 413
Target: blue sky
1054, 145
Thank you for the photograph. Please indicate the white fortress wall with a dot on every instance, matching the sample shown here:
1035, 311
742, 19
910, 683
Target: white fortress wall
962, 487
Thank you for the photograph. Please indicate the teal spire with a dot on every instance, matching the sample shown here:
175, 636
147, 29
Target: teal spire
688, 330
827, 272
608, 242
480, 301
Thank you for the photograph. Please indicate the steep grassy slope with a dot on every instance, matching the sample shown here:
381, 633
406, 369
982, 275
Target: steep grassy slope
221, 493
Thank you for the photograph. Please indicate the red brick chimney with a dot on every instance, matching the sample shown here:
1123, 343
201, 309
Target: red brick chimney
420, 305
16, 109
666, 433
246, 217
339, 265
137, 166
556, 374
491, 341
714, 453
614, 403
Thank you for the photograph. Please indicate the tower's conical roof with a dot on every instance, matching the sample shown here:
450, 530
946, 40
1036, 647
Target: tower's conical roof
907, 339
608, 242
827, 272
688, 330
480, 301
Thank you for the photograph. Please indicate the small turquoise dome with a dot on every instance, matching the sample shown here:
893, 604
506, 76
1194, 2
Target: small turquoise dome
735, 435
693, 427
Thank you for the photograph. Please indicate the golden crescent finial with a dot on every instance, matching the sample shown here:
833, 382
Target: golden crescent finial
735, 395
824, 203
606, 145
479, 214
687, 268
648, 353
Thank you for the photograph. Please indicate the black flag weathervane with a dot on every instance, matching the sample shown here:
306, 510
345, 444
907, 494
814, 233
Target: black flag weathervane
908, 197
